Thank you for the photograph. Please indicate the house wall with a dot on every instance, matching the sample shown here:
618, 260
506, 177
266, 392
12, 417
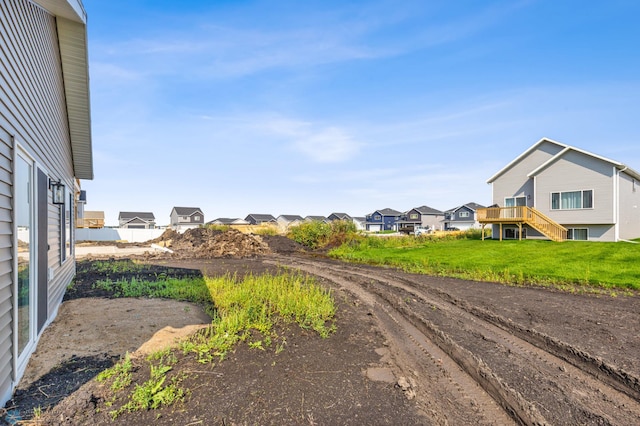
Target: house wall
629, 216
576, 171
514, 182
432, 221
33, 111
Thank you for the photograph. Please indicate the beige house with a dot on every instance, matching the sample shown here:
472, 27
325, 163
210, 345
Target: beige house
91, 219
557, 191
45, 148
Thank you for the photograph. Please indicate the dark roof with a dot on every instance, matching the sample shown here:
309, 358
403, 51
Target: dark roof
342, 216
261, 217
319, 218
472, 206
389, 212
131, 215
187, 211
290, 217
427, 210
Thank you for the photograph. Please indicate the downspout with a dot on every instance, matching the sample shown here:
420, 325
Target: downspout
616, 201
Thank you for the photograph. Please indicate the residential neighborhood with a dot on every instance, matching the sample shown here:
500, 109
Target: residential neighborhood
551, 191
387, 131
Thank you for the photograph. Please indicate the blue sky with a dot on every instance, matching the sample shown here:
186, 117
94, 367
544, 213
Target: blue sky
314, 107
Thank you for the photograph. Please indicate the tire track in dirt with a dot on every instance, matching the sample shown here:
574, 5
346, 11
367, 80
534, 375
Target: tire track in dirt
533, 383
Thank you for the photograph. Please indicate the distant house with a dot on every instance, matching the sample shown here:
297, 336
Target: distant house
287, 220
338, 216
360, 222
228, 221
91, 219
462, 217
423, 216
45, 149
316, 218
557, 191
136, 220
383, 220
183, 218
258, 219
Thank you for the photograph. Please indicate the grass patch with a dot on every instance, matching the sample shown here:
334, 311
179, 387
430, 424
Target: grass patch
246, 310
567, 265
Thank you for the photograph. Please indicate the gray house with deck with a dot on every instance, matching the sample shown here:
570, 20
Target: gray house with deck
557, 191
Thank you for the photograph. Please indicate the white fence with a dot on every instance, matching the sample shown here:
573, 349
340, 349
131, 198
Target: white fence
118, 234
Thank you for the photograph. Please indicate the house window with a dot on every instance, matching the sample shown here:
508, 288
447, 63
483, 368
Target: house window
377, 217
515, 201
572, 200
581, 234
413, 216
196, 218
464, 214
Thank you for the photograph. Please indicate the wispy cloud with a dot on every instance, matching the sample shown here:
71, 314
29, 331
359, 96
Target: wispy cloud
216, 50
321, 144
328, 145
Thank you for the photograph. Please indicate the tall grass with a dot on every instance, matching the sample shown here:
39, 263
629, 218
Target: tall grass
249, 310
316, 234
608, 265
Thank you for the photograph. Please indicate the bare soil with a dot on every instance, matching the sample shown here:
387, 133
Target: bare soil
409, 349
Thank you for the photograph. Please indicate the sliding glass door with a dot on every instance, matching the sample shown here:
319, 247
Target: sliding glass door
25, 284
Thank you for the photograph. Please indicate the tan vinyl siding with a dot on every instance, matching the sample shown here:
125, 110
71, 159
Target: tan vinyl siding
575, 171
514, 182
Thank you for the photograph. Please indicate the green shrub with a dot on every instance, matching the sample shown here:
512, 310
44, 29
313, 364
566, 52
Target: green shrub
316, 234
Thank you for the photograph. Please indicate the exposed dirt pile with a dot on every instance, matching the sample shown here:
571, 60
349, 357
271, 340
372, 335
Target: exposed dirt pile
203, 243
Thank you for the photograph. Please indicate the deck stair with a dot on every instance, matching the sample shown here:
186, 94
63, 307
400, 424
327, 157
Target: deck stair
522, 215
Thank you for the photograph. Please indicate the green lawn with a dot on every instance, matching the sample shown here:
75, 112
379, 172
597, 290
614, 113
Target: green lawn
570, 263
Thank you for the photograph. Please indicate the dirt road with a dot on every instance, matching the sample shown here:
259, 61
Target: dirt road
469, 363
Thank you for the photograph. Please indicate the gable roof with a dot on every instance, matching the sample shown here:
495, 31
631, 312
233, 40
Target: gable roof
261, 217
342, 216
471, 206
318, 218
427, 210
565, 149
132, 215
389, 212
187, 211
290, 217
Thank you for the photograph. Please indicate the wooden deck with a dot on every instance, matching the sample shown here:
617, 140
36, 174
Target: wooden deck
522, 215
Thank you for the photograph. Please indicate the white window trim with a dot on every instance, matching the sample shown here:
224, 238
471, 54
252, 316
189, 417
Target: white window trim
576, 229
581, 191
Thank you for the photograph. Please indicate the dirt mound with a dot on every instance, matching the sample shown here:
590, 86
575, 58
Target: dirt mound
203, 243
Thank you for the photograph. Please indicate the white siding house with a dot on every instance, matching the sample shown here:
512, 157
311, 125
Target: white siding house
45, 148
593, 197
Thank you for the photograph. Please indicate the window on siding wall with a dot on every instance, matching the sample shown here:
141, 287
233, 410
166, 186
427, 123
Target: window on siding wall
571, 200
581, 234
464, 214
413, 216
